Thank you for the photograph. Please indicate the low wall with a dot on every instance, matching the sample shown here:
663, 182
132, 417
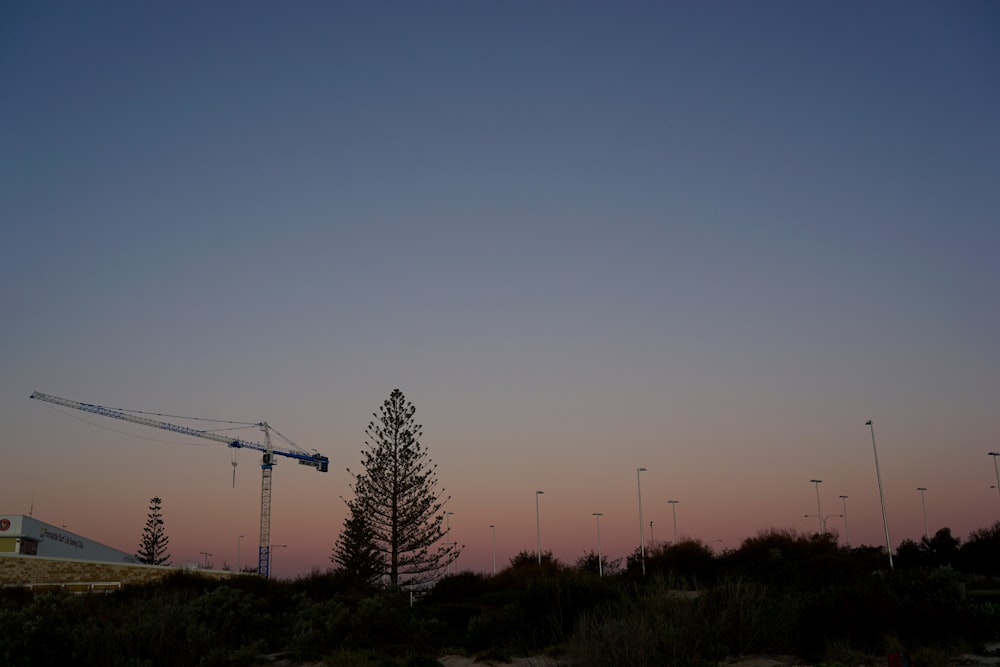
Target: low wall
19, 570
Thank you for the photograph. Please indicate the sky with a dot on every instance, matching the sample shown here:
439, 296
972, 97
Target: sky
711, 239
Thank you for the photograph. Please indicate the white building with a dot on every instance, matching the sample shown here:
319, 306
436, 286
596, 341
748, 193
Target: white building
28, 536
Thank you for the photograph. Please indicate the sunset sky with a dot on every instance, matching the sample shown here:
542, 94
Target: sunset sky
711, 239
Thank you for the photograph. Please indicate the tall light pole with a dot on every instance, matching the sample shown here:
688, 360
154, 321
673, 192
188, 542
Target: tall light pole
819, 510
538, 526
600, 565
673, 505
642, 533
493, 535
881, 495
923, 503
447, 523
995, 468
239, 566
847, 534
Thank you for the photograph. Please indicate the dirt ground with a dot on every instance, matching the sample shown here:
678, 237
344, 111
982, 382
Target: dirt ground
542, 661
748, 661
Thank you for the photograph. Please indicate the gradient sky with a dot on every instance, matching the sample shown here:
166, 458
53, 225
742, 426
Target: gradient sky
710, 239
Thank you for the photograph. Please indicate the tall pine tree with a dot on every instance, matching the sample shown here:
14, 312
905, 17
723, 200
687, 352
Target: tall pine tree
398, 498
153, 546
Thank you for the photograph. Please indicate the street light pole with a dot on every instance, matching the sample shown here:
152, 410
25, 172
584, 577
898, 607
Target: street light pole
995, 468
493, 535
538, 526
819, 510
642, 533
673, 505
600, 566
239, 566
847, 534
881, 495
923, 503
447, 522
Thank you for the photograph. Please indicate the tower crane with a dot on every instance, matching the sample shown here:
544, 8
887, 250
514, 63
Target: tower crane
313, 459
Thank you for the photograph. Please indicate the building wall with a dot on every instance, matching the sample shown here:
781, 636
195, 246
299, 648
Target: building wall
18, 570
54, 541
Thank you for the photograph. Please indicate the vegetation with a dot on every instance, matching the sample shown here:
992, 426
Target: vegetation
779, 592
397, 503
153, 545
355, 553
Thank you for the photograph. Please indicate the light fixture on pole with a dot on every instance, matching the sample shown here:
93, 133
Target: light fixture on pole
881, 495
239, 566
642, 526
923, 503
673, 506
847, 534
996, 470
819, 510
493, 535
600, 565
538, 526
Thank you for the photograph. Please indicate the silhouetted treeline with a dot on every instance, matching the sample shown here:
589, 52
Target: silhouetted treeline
780, 591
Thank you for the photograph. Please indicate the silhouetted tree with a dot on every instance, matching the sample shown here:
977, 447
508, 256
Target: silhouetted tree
355, 553
981, 551
153, 546
589, 562
690, 558
397, 494
943, 547
911, 555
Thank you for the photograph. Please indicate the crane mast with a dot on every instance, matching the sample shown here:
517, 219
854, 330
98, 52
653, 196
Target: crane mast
313, 459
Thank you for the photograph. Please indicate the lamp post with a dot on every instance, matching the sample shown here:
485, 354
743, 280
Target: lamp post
239, 566
881, 495
673, 506
600, 565
447, 523
271, 559
538, 526
847, 534
642, 533
996, 470
923, 503
493, 535
819, 510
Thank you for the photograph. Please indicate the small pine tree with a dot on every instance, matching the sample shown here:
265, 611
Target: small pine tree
153, 546
355, 552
